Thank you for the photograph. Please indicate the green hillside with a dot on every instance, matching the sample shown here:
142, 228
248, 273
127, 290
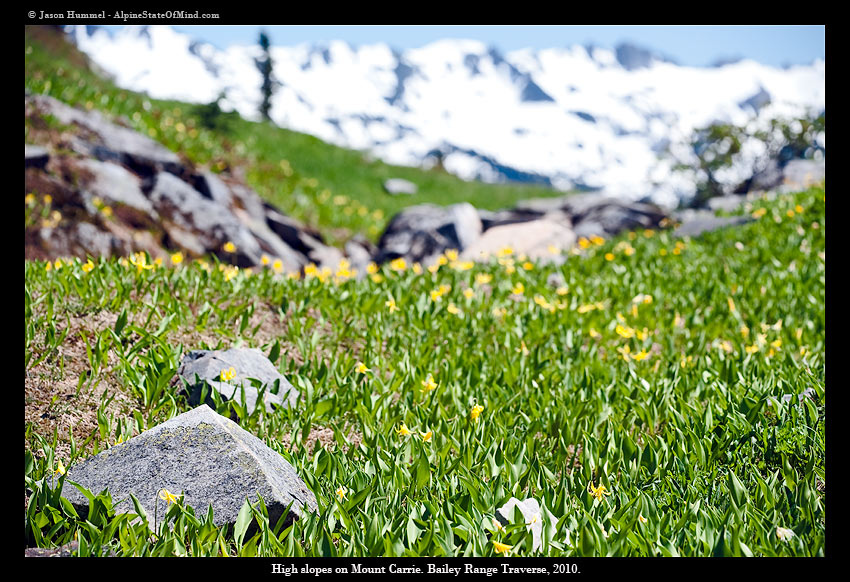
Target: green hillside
336, 190
657, 396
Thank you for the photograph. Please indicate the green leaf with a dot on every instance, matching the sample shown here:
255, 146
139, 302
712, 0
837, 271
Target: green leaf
423, 471
243, 520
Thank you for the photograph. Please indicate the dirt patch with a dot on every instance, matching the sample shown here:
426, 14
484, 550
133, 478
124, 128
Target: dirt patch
323, 437
52, 401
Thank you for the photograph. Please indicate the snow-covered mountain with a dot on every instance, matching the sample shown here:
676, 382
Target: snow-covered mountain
578, 117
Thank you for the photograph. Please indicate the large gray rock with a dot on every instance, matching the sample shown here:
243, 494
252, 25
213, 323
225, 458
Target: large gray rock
702, 224
202, 455
106, 140
801, 174
597, 214
211, 224
421, 233
396, 186
306, 242
544, 239
112, 183
204, 367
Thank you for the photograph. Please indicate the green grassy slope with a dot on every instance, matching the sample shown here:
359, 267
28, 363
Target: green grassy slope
656, 396
687, 377
336, 190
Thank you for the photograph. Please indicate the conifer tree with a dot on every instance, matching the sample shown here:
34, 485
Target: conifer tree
264, 64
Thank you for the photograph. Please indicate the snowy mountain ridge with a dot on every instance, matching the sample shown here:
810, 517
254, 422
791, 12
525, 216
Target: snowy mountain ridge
575, 117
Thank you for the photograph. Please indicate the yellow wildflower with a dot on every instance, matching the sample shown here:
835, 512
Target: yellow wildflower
452, 308
228, 374
428, 384
341, 492
595, 334
277, 266
60, 468
377, 278
609, 256
426, 436
562, 291
759, 213
140, 261
371, 268
528, 265
518, 289
483, 278
476, 411
361, 368
177, 258
391, 305
640, 355
229, 247
501, 548
398, 264
417, 268
583, 242
505, 251
88, 266
598, 493
625, 332
403, 430
522, 348
167, 496
468, 293
731, 305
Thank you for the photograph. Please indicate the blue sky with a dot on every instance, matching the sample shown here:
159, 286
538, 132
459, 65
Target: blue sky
688, 45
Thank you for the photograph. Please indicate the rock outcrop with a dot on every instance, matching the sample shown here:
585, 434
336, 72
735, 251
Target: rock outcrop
115, 191
201, 455
202, 368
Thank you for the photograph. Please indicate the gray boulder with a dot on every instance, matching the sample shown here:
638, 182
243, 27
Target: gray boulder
596, 214
421, 233
110, 182
105, 140
703, 223
396, 186
544, 239
801, 174
185, 209
199, 454
726, 203
204, 367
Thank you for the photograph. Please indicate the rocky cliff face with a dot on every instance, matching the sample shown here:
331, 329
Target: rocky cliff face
105, 190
